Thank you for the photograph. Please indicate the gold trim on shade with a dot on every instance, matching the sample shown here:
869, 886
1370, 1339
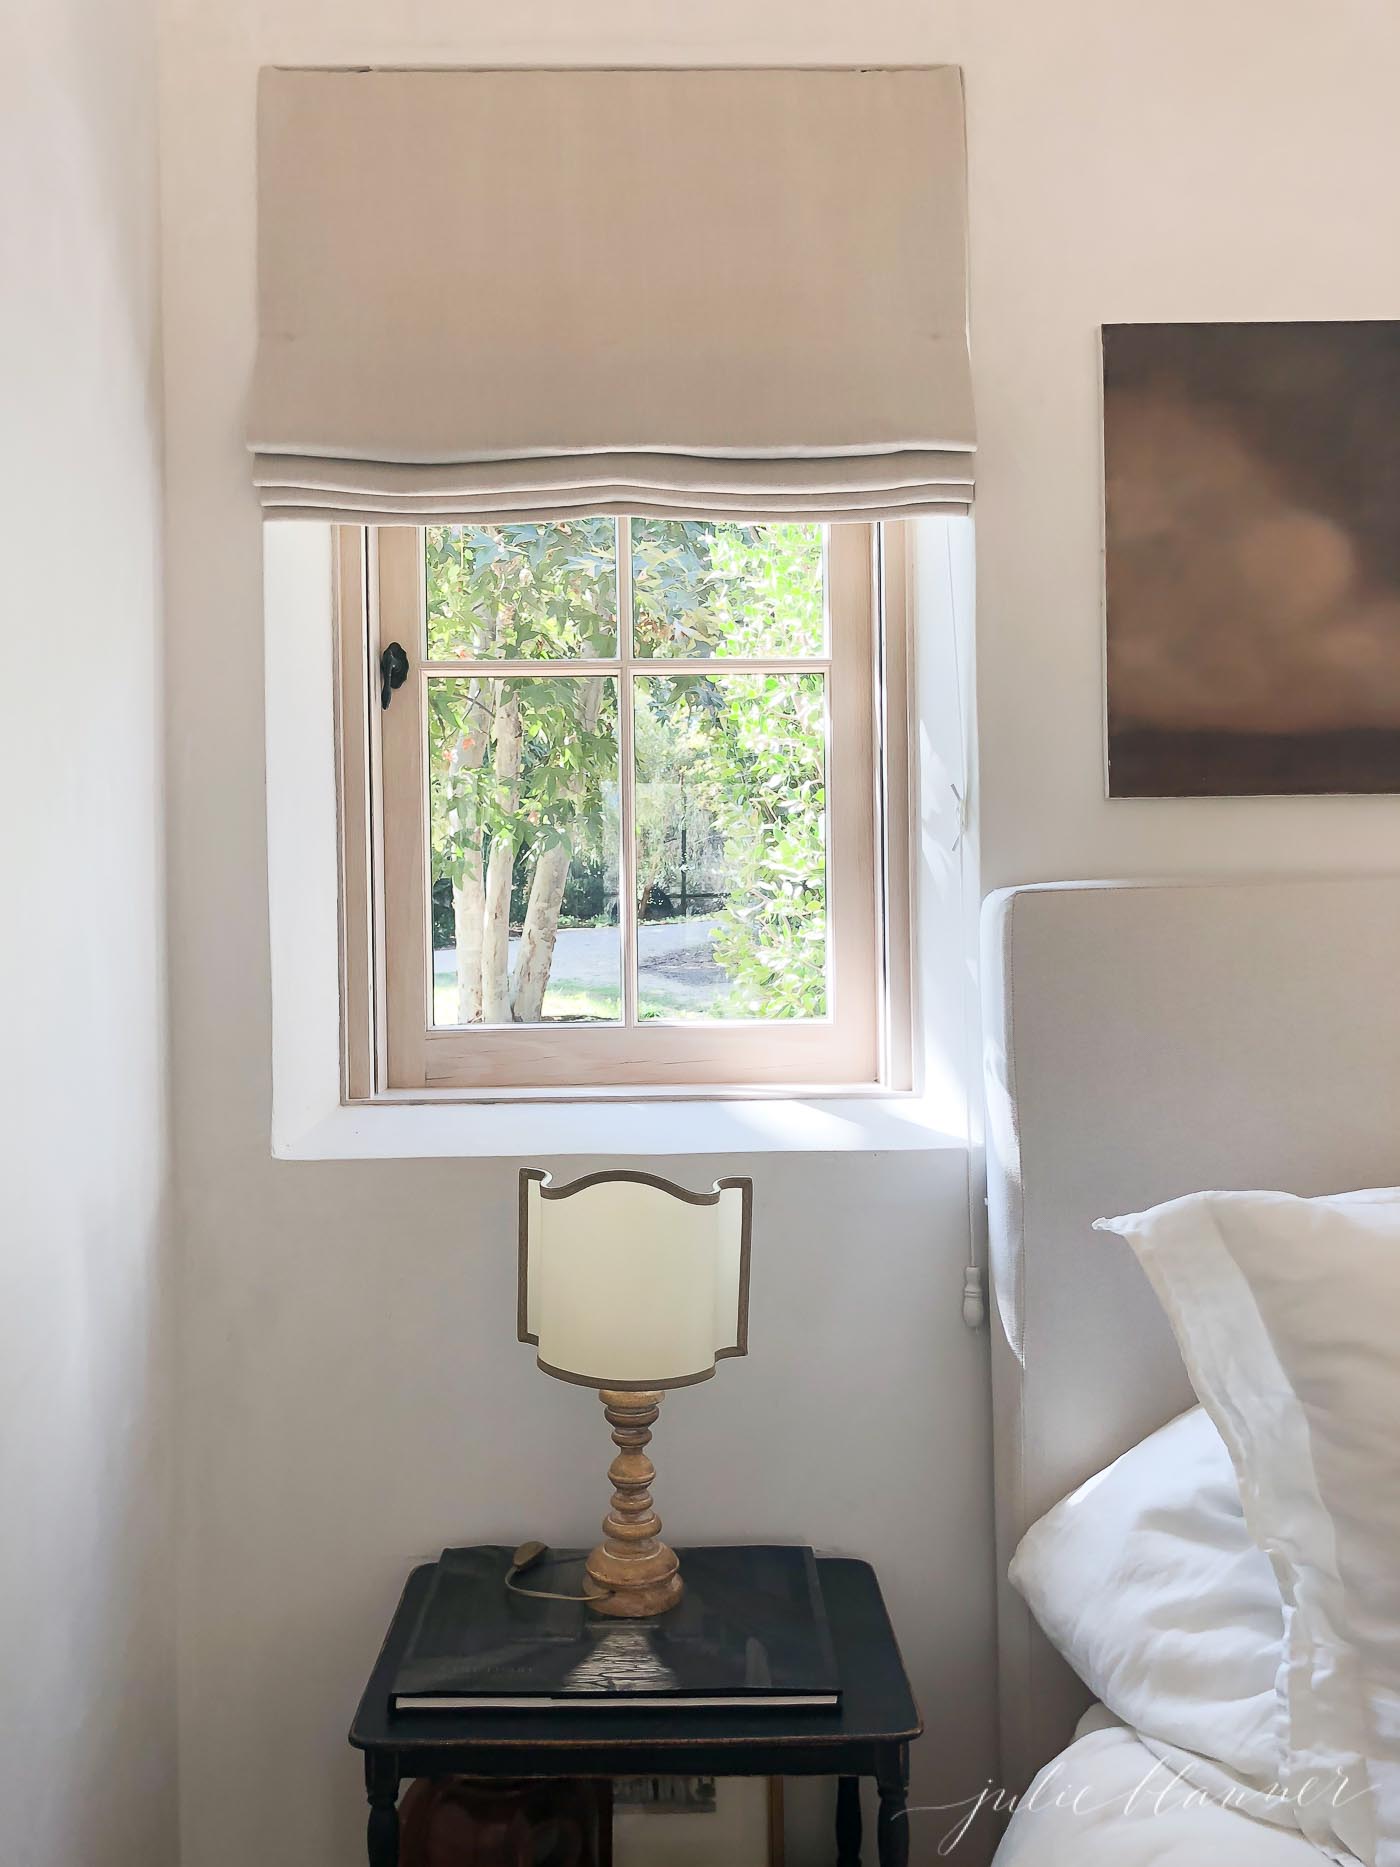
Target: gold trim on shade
541, 1176
601, 1381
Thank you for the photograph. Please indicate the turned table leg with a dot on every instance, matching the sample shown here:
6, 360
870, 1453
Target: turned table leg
382, 1786
893, 1830
848, 1821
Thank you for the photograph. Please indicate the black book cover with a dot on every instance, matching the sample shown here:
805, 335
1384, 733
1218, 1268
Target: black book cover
750, 1629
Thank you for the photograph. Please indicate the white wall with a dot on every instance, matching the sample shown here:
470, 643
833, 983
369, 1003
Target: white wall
1183, 159
352, 1397
87, 1675
352, 1394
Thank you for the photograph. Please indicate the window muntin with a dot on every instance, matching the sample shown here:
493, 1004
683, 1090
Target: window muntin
715, 707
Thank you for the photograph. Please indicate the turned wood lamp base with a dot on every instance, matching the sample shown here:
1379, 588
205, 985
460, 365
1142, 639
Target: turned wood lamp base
632, 1574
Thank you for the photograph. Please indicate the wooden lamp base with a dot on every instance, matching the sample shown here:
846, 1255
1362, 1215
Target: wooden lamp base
632, 1573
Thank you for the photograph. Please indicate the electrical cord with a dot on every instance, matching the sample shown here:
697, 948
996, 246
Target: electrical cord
529, 1556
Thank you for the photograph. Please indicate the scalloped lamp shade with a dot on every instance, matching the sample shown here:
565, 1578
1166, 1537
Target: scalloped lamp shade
629, 1282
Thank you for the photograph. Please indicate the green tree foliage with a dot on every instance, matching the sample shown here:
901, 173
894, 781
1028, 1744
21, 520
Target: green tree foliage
749, 748
524, 768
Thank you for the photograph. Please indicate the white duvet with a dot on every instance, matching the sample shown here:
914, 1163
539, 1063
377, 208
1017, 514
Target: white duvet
1107, 1801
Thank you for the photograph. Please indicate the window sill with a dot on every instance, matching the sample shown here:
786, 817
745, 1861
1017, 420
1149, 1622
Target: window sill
415, 1130
309, 1121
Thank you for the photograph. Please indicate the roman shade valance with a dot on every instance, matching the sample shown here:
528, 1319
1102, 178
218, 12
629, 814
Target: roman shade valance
511, 295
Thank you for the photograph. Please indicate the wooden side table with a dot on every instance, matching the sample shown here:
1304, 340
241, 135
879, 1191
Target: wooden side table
868, 1736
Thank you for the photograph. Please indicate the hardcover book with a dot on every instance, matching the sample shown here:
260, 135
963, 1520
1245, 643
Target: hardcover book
750, 1631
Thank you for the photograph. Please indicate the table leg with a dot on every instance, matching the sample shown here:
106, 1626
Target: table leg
848, 1821
893, 1831
382, 1786
604, 1793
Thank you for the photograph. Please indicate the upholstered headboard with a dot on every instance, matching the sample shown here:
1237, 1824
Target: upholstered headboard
1142, 1042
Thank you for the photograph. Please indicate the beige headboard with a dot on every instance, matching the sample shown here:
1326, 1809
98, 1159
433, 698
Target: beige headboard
1142, 1042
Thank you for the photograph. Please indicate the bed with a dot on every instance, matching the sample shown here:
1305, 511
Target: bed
1104, 1803
1142, 1042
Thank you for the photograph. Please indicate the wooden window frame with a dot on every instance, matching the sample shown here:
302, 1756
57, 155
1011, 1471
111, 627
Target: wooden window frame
389, 1049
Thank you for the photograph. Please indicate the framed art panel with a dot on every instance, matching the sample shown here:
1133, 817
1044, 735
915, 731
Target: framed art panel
1252, 558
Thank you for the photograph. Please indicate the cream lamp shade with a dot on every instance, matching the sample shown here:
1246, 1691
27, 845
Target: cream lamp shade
630, 1282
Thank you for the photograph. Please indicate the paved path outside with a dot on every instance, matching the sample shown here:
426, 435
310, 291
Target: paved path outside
678, 951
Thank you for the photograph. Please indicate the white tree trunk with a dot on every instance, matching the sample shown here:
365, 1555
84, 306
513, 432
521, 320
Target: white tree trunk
495, 939
468, 921
541, 929
536, 954
469, 893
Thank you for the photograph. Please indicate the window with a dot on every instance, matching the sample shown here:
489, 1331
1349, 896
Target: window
634, 817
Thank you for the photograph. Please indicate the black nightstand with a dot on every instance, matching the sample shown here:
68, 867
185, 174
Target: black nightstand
869, 1736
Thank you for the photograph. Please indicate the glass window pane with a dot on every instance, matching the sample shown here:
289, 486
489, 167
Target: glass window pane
525, 836
731, 845
702, 589
521, 592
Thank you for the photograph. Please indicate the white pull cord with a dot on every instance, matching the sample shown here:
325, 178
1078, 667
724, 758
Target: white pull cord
974, 1302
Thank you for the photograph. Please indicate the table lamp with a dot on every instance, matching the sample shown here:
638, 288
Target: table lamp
631, 1284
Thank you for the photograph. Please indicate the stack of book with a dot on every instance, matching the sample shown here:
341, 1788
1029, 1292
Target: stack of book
749, 1633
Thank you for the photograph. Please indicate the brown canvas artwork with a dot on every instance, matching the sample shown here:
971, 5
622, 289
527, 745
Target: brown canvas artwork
1253, 558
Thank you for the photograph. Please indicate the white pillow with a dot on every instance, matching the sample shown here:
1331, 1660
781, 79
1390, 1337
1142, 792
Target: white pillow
1146, 1579
1288, 1314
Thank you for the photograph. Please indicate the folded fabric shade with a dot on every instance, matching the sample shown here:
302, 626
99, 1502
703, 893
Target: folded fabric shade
512, 295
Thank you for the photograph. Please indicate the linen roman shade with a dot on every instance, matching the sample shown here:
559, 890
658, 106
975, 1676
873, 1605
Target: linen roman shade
514, 295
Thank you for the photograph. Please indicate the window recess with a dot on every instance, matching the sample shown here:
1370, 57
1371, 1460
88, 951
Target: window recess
635, 815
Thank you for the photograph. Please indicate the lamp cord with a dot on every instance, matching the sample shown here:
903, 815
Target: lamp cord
527, 1557
975, 1286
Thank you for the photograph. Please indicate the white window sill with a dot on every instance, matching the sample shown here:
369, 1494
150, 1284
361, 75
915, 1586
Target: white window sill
513, 1130
309, 1122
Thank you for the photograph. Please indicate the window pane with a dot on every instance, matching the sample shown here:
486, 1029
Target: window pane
703, 589
731, 845
524, 817
521, 592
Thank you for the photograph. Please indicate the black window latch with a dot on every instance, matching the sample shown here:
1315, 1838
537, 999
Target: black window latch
393, 671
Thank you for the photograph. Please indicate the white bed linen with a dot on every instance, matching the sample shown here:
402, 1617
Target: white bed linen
1107, 1801
1149, 1584
1287, 1311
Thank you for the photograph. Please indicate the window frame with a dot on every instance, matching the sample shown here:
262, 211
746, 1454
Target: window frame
389, 1049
